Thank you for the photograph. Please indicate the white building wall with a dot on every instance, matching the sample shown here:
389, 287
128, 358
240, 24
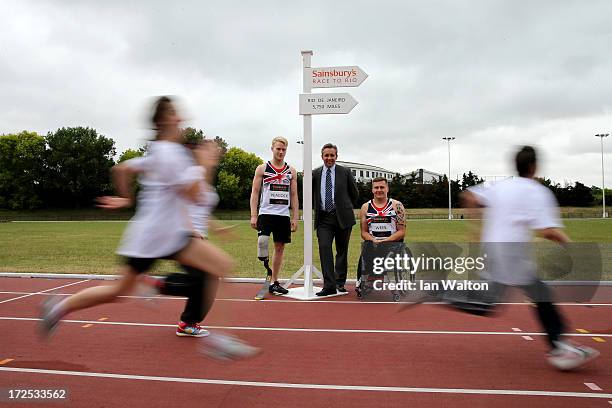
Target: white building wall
365, 172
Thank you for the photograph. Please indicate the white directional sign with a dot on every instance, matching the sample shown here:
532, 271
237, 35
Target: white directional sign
325, 103
333, 77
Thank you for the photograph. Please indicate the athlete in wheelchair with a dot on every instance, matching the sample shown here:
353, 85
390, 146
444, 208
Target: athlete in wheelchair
383, 227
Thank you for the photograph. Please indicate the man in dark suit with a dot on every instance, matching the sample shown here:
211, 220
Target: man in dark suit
334, 196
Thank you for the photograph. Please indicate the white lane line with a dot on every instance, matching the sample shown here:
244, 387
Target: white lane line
307, 330
297, 302
593, 386
516, 329
44, 291
327, 387
528, 338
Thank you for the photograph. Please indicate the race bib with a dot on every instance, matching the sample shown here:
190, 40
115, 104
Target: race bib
279, 194
380, 227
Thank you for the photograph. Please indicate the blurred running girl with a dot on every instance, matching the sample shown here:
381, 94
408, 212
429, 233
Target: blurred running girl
161, 228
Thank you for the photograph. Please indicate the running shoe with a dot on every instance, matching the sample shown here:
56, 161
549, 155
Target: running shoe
277, 288
148, 291
191, 330
224, 347
49, 316
568, 356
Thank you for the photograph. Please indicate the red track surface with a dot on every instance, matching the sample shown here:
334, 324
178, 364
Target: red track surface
425, 365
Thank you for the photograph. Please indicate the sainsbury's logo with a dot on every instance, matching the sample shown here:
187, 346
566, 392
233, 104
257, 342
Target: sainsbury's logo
333, 73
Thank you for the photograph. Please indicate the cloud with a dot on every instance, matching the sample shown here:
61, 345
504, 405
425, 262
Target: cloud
493, 74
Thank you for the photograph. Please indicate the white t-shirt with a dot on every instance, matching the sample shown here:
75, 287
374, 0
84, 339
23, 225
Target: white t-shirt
161, 224
514, 209
201, 210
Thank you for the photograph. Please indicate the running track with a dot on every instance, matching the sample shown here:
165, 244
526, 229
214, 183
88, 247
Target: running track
334, 353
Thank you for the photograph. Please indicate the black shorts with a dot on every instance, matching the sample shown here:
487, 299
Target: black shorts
277, 225
142, 265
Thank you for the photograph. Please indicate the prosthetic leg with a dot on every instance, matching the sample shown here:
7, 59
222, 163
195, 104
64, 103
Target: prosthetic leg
263, 255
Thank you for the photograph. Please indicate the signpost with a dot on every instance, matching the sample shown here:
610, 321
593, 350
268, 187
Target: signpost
335, 77
318, 104
322, 104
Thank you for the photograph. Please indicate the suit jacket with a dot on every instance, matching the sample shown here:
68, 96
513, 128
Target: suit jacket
345, 196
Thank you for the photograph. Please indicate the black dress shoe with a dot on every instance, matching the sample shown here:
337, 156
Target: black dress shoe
326, 292
341, 289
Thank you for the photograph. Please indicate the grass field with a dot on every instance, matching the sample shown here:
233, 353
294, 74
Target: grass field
88, 214
88, 247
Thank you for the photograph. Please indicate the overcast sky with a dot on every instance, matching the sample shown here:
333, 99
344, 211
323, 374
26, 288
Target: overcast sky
493, 74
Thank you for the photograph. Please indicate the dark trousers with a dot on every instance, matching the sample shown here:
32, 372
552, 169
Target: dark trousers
329, 230
198, 287
547, 313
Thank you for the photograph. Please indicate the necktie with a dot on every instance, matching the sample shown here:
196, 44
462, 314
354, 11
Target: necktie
329, 202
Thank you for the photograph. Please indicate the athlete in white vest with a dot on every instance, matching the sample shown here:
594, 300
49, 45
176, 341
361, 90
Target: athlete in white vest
274, 191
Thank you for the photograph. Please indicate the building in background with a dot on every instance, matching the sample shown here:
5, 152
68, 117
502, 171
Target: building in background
365, 172
423, 176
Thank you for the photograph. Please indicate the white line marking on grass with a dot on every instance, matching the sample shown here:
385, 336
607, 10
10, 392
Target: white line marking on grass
326, 387
306, 330
43, 291
297, 302
593, 386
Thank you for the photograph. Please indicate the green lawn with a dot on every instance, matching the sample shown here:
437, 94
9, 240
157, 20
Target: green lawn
88, 247
92, 213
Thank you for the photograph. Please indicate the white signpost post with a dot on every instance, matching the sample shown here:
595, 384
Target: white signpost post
318, 104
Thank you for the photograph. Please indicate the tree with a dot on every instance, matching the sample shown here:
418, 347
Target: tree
598, 197
78, 162
196, 136
365, 191
439, 193
241, 164
580, 195
228, 187
193, 135
21, 170
222, 144
469, 180
130, 154
577, 195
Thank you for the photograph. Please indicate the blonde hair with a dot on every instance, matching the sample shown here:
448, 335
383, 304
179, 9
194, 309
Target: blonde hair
280, 139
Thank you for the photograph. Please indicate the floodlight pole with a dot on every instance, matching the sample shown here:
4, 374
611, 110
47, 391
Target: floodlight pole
603, 183
450, 215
